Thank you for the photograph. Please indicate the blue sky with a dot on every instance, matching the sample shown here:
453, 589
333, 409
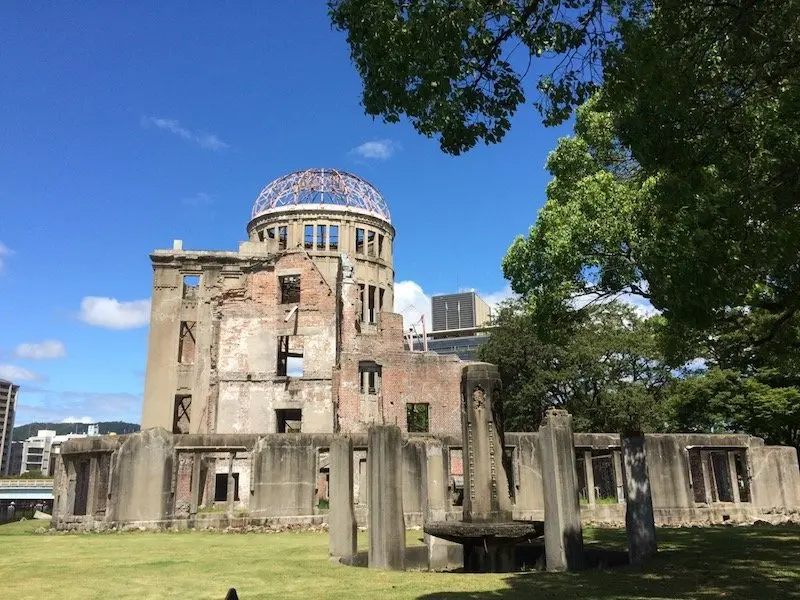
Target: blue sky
125, 127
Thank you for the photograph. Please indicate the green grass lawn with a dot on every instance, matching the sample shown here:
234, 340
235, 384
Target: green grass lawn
746, 563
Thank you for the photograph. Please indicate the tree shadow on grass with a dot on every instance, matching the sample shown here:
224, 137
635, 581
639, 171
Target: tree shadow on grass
731, 563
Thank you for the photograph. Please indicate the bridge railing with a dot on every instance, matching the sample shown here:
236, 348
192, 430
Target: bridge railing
26, 483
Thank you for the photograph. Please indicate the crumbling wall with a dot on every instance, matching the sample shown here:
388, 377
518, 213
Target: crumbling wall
776, 477
252, 318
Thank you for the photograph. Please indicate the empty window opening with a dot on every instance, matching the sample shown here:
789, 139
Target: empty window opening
186, 343
333, 242
722, 476
696, 473
359, 241
369, 373
370, 243
308, 238
417, 417
221, 487
290, 356
290, 289
191, 283
372, 314
605, 482
181, 415
321, 237
81, 488
380, 246
261, 236
283, 237
271, 233
381, 307
580, 471
742, 480
288, 420
508, 466
363, 301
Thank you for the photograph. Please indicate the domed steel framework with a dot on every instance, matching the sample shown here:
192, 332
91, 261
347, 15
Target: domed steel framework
321, 186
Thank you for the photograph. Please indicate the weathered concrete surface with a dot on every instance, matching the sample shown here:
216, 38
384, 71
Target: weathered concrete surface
442, 554
639, 518
387, 533
563, 534
141, 479
341, 517
284, 471
414, 478
485, 481
776, 478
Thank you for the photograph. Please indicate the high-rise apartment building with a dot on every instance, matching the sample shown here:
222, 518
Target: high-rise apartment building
8, 406
464, 310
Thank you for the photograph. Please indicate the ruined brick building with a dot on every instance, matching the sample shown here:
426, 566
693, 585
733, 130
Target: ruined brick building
295, 331
260, 359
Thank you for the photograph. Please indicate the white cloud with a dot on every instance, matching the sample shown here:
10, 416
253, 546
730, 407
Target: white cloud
41, 350
16, 374
641, 305
199, 199
5, 252
113, 314
207, 141
84, 420
411, 301
376, 150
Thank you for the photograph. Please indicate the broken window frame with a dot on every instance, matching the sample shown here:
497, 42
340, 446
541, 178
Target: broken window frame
360, 240
717, 477
186, 333
370, 376
285, 416
289, 287
190, 290
418, 410
285, 352
321, 236
308, 236
271, 233
283, 237
182, 408
333, 237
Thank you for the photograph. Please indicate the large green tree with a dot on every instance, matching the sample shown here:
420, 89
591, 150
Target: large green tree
698, 171
603, 364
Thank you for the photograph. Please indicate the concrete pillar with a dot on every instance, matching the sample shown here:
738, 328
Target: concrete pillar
341, 517
195, 491
387, 530
618, 476
486, 497
442, 555
231, 496
589, 476
639, 520
563, 535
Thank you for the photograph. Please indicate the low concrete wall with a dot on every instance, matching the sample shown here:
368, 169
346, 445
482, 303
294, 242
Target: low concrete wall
135, 480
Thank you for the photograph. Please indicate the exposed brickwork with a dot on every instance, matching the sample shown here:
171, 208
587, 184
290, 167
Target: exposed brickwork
239, 320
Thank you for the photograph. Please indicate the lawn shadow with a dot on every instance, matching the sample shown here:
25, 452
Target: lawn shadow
741, 563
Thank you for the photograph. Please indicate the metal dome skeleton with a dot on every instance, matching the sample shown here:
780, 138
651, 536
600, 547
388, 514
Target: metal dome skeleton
321, 187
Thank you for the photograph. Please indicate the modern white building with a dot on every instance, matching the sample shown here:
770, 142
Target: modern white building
38, 450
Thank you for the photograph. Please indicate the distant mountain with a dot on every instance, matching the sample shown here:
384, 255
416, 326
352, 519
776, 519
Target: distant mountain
23, 432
